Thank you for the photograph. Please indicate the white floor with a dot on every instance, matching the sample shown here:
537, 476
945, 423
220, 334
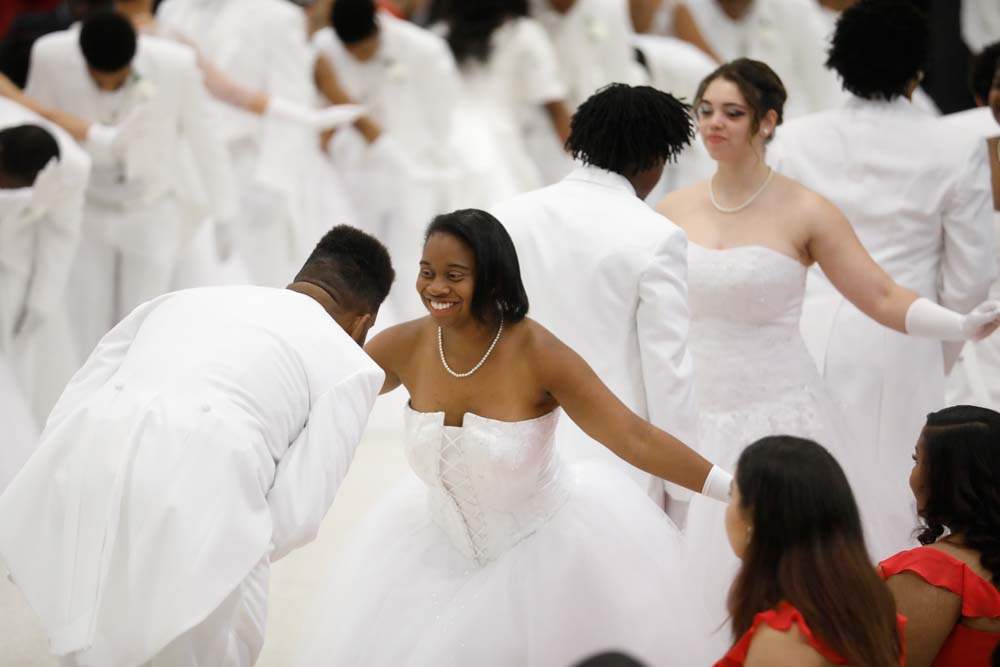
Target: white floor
295, 580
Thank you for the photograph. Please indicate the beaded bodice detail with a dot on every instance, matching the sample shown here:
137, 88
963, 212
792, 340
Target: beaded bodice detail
490, 483
750, 360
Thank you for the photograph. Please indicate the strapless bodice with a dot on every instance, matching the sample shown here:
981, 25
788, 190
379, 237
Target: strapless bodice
745, 305
490, 483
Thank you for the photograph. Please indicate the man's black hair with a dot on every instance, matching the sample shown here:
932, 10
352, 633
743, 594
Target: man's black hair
356, 264
879, 47
108, 41
354, 20
24, 152
630, 129
981, 70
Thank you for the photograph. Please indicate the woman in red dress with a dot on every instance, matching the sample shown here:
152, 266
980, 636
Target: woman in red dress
949, 589
806, 593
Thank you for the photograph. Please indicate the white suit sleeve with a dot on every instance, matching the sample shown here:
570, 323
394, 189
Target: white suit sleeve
313, 468
103, 362
968, 265
206, 143
662, 322
43, 78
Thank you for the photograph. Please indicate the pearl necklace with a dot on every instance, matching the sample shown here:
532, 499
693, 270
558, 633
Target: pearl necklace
737, 209
482, 361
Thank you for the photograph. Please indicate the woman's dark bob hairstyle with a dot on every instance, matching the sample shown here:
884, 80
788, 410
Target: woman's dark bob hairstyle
961, 463
498, 287
879, 48
807, 548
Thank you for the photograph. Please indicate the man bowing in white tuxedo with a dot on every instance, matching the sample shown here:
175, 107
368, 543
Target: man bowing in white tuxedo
205, 437
135, 219
608, 274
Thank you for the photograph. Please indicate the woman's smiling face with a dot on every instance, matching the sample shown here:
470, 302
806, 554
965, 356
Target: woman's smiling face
446, 281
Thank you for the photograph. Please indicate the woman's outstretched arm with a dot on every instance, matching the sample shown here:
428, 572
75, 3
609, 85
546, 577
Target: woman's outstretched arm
592, 406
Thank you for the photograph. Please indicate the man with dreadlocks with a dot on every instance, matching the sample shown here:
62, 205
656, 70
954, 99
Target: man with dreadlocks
607, 274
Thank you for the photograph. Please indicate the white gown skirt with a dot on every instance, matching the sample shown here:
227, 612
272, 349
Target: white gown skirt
602, 573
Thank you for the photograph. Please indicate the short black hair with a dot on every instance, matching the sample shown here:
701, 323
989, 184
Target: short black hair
981, 70
630, 129
108, 41
24, 152
879, 47
355, 263
498, 287
961, 463
354, 20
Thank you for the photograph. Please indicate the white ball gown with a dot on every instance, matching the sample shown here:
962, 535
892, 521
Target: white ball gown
498, 554
753, 378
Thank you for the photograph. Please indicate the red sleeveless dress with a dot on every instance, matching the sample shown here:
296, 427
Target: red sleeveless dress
782, 619
980, 598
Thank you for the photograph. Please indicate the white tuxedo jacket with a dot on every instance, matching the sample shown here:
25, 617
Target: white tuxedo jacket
608, 276
210, 429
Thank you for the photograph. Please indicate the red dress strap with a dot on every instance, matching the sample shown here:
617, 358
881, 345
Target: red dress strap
782, 619
980, 598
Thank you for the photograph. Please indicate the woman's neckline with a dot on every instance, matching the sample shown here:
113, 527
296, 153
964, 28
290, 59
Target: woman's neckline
748, 245
443, 415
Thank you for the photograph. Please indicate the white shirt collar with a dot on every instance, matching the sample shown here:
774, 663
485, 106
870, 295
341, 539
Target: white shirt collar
609, 179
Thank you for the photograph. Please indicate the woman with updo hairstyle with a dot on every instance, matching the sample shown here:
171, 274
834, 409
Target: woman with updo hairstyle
806, 593
949, 588
752, 236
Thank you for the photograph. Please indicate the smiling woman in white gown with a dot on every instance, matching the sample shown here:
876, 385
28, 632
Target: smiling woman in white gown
752, 234
497, 553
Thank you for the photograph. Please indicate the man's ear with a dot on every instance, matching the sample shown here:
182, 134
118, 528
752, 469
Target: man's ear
359, 327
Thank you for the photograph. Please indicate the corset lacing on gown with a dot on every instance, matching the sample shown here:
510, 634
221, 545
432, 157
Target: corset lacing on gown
491, 484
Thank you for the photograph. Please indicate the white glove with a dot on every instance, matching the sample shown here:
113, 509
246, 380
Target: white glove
929, 320
317, 119
717, 485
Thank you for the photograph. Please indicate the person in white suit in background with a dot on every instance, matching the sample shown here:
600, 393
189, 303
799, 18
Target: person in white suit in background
285, 184
608, 273
204, 438
789, 35
917, 194
975, 379
37, 251
29, 156
593, 43
136, 216
406, 78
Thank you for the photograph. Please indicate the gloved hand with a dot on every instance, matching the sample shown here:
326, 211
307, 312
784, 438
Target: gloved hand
929, 320
317, 119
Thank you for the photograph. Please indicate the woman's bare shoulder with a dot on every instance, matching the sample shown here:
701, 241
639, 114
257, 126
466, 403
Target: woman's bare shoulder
399, 339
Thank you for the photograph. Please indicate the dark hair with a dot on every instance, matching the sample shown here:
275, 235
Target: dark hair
610, 659
629, 129
759, 85
355, 262
354, 20
961, 460
108, 41
498, 286
982, 69
879, 47
471, 24
807, 547
24, 152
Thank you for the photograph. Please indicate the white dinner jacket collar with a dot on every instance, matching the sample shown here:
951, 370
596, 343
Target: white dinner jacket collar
609, 179
898, 105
